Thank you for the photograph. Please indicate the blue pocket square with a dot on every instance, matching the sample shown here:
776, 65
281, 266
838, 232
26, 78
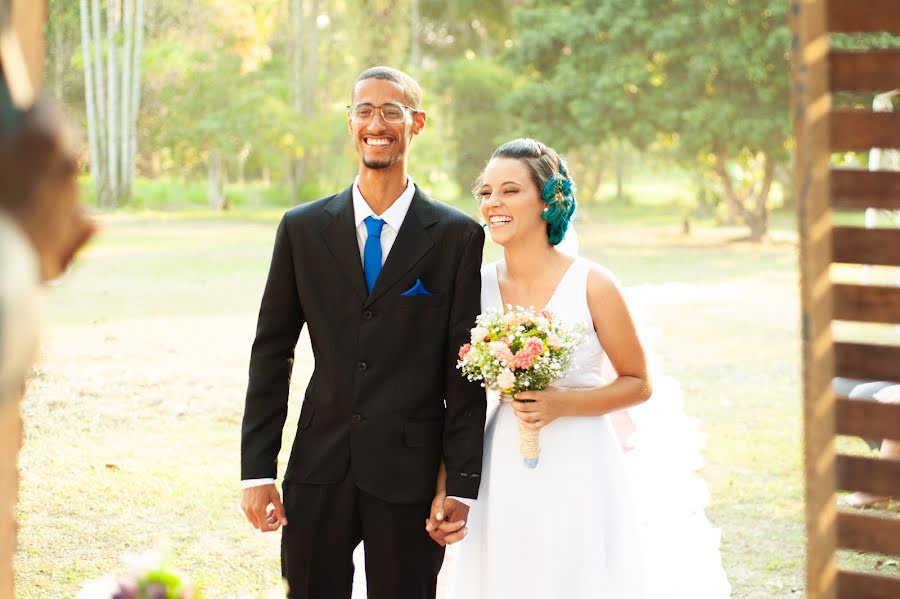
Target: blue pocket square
417, 289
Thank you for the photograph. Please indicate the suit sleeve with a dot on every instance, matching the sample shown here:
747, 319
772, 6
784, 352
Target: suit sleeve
466, 404
271, 361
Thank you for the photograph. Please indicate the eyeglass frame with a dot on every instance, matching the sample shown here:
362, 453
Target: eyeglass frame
414, 111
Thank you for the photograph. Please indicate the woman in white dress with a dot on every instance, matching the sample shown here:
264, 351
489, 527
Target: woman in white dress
565, 528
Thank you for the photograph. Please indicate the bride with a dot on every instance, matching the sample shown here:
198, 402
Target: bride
565, 528
586, 521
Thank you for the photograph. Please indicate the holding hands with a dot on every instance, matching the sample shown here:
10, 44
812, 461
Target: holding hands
447, 522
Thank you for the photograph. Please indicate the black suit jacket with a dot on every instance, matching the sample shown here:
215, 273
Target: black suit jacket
385, 402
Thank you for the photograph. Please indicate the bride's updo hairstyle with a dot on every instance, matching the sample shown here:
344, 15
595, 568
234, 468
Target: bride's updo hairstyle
551, 175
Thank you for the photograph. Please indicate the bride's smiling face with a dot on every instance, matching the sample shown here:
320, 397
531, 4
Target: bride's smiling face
510, 201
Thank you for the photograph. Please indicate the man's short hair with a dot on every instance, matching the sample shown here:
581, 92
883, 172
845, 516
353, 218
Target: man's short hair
412, 91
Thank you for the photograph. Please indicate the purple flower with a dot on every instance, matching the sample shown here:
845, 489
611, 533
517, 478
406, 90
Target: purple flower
156, 590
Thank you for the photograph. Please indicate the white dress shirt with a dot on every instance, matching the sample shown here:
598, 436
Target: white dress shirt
393, 218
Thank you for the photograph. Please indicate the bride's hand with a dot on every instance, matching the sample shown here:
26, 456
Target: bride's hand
537, 409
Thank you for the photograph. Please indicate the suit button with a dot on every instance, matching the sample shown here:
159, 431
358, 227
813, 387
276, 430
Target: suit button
362, 366
356, 419
367, 315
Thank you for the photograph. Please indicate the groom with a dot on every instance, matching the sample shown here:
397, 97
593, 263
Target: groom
388, 282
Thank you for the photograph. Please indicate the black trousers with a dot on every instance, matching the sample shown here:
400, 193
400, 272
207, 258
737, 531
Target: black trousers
325, 525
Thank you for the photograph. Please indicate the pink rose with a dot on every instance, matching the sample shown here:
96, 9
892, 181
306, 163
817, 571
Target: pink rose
464, 350
479, 334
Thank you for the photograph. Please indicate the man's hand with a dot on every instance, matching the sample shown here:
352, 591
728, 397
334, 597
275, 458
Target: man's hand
255, 502
447, 523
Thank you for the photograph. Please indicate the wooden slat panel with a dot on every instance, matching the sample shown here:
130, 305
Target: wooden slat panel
871, 475
868, 533
858, 245
867, 362
855, 189
811, 111
856, 585
867, 303
872, 419
852, 16
862, 130
871, 71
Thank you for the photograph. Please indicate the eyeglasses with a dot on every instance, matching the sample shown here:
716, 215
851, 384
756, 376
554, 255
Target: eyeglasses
390, 112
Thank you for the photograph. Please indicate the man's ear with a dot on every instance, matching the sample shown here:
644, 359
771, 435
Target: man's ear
418, 123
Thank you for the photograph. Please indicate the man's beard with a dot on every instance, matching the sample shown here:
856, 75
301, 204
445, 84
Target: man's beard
376, 165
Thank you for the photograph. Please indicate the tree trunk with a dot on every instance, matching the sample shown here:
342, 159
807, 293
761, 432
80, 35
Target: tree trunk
101, 183
296, 77
112, 163
59, 67
415, 52
216, 182
125, 137
294, 167
89, 100
620, 172
757, 217
135, 95
312, 59
760, 227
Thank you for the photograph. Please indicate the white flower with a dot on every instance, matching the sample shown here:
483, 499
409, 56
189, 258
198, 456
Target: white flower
506, 380
478, 334
102, 588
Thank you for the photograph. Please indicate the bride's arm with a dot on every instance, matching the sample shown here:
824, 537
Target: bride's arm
615, 329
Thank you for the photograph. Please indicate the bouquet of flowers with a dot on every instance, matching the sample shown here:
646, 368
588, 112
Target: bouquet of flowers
519, 350
148, 578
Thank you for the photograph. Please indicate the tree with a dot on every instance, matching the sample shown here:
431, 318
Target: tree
708, 80
111, 108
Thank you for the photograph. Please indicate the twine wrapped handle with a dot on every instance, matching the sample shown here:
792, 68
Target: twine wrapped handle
529, 440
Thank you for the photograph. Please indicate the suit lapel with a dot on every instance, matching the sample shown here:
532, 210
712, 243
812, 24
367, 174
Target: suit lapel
339, 234
412, 243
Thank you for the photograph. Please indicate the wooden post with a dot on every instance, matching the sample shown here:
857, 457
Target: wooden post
26, 18
811, 106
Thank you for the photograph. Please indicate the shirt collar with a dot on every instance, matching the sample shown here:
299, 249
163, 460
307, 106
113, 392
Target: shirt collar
394, 215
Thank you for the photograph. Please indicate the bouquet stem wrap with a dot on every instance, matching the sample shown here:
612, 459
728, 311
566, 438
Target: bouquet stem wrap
529, 440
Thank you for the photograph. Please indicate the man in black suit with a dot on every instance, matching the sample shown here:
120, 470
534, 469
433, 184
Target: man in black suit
388, 282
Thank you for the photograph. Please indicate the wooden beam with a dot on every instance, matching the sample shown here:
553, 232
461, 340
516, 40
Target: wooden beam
811, 114
863, 16
867, 303
870, 475
868, 533
858, 245
856, 189
870, 71
867, 418
28, 19
856, 585
867, 361
862, 130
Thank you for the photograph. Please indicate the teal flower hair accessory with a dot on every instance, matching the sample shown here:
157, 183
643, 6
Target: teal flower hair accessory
559, 195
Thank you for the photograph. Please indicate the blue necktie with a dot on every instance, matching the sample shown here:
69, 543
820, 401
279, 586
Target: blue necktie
372, 251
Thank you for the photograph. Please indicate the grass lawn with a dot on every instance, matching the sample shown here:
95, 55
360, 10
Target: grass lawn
133, 416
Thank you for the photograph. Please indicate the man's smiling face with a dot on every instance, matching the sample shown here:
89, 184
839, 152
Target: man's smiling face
380, 144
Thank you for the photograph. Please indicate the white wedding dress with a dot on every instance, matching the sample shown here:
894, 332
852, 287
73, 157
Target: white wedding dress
566, 528
589, 520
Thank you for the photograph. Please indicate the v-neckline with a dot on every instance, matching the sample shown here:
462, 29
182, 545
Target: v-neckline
562, 279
